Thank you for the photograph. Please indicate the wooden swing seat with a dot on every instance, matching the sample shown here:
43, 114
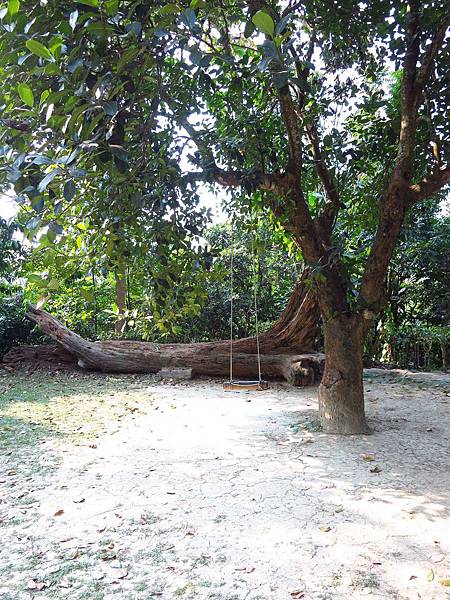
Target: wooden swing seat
245, 386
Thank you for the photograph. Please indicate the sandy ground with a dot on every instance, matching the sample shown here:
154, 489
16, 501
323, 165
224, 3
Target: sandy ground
203, 494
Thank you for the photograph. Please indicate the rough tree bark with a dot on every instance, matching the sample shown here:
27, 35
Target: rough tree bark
341, 394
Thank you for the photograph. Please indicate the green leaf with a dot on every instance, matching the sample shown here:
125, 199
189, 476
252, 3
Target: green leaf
53, 284
264, 22
26, 95
39, 49
93, 3
13, 7
87, 294
47, 179
111, 6
73, 19
34, 278
127, 57
69, 190
249, 29
169, 9
368, 457
111, 108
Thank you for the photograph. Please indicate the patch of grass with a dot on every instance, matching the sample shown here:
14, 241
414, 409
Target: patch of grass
157, 554
219, 518
309, 423
365, 579
201, 561
26, 500
75, 406
336, 579
148, 518
188, 588
67, 568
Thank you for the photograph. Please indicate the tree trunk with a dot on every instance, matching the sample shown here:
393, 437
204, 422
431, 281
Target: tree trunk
210, 358
341, 394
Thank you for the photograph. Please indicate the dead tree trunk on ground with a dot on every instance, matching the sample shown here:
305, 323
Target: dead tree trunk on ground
287, 349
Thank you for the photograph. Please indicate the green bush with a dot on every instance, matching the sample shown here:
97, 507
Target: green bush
15, 328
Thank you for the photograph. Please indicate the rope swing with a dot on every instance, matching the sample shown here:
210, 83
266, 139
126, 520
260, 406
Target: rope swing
235, 384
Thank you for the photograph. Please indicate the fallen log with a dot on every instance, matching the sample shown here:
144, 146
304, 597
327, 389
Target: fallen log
39, 356
209, 358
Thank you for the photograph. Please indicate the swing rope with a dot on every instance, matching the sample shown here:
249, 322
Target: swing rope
255, 299
231, 302
255, 294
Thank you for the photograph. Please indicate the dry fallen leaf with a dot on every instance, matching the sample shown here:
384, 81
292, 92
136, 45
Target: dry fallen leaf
121, 573
108, 555
297, 594
78, 500
445, 582
246, 569
325, 528
36, 585
430, 575
59, 512
368, 457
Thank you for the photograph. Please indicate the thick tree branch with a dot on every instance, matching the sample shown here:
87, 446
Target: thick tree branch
326, 219
399, 193
393, 205
275, 182
431, 184
291, 123
408, 98
427, 61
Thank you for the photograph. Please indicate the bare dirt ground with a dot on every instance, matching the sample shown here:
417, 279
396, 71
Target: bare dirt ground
125, 488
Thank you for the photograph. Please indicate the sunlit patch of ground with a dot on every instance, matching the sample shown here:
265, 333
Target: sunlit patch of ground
115, 487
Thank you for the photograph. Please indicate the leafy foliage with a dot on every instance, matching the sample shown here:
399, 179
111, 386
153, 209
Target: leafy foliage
14, 329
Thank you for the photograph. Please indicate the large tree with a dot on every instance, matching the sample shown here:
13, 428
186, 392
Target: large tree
274, 100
